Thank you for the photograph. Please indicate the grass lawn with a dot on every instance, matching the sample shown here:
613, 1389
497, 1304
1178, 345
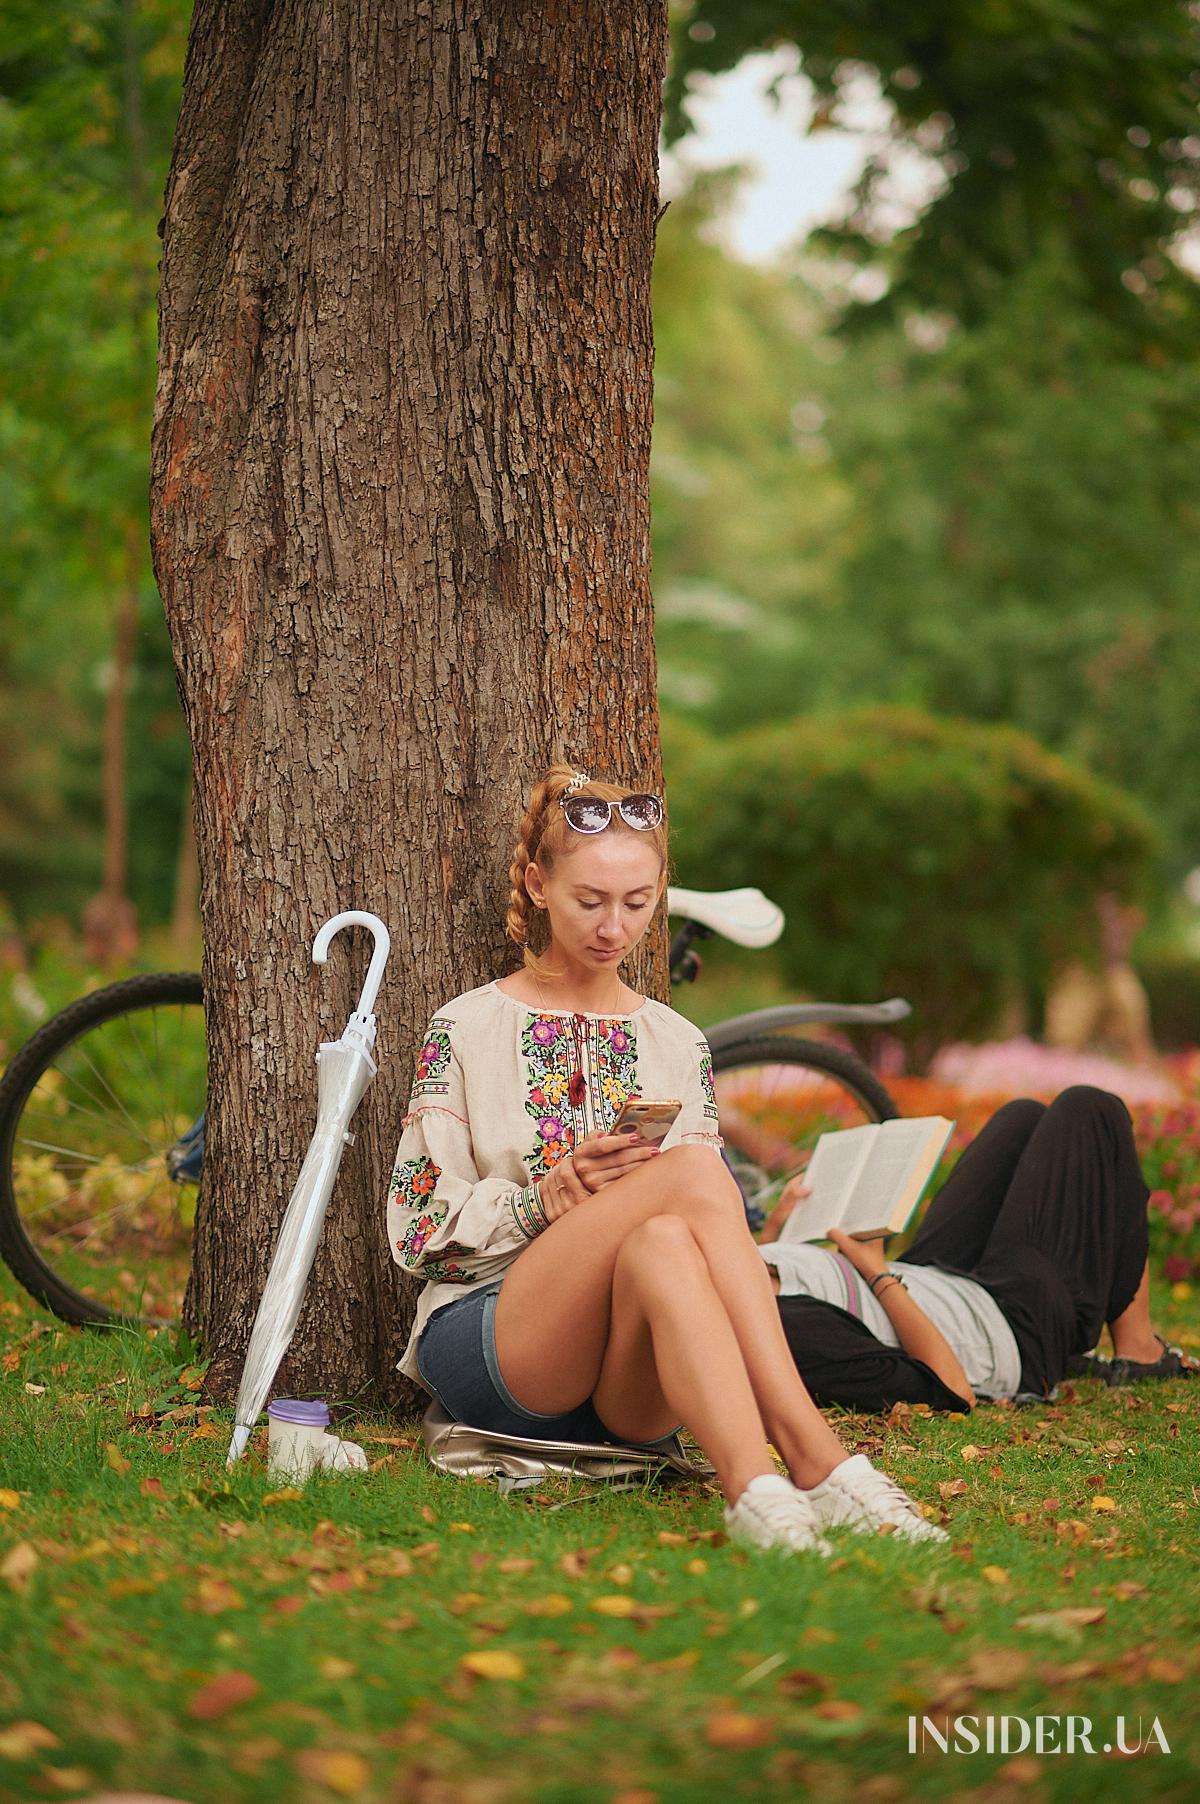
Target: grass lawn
403, 1636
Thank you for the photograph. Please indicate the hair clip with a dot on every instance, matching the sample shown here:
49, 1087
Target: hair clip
579, 781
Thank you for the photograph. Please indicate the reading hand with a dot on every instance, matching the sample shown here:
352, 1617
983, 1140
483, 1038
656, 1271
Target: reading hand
866, 1256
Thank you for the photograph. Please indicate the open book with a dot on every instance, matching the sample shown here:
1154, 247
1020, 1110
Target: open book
868, 1180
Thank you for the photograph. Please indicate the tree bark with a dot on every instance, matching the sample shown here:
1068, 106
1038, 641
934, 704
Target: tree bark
401, 529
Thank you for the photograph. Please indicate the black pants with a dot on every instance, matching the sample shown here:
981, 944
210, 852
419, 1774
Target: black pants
1046, 1210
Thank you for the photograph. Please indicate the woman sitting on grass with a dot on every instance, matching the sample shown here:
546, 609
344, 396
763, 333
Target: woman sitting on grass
584, 1285
1037, 1239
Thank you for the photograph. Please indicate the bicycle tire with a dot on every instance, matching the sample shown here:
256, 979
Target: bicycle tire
29, 1066
770, 1122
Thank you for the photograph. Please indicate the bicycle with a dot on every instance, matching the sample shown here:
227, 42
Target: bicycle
102, 1120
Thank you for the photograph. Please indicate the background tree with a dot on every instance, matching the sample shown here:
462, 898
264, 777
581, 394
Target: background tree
89, 96
400, 528
1069, 122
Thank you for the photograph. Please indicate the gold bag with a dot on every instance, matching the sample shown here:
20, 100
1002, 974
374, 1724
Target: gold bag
468, 1452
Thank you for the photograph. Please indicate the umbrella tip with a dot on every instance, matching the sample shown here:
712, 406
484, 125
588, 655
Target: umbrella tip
237, 1445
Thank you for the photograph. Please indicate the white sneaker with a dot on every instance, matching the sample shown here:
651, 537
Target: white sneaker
771, 1512
857, 1496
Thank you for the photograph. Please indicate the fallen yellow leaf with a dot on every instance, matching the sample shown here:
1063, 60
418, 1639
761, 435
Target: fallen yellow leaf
1063, 1622
289, 1494
68, 1778
553, 1604
493, 1663
17, 1565
1100, 1502
22, 1740
461, 1528
616, 1605
995, 1575
116, 1458
10, 1500
837, 1710
338, 1769
970, 1452
330, 1667
734, 1729
215, 1596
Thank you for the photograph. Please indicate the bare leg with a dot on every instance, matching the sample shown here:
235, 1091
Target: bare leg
554, 1315
1131, 1333
672, 1356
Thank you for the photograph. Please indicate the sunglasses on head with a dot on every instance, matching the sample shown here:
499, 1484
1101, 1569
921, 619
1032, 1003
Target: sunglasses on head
588, 814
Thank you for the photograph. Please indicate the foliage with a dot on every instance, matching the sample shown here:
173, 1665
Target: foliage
744, 523
397, 1634
941, 860
1023, 539
1068, 123
88, 96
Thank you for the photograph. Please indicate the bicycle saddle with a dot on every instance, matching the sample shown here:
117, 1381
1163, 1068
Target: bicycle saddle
744, 916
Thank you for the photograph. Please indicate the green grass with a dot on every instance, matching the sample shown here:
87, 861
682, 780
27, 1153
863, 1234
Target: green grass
134, 1573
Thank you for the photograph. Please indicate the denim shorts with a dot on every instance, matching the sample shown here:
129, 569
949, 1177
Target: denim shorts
456, 1357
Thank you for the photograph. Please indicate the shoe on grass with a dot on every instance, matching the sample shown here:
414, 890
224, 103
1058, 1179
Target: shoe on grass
1172, 1362
771, 1512
857, 1496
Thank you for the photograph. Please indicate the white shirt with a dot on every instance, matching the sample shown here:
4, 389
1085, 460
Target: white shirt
970, 1319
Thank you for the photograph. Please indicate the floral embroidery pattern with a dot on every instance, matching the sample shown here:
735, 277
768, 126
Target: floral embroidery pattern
555, 1050
413, 1181
447, 1269
433, 1061
707, 1084
546, 1048
618, 1066
411, 1243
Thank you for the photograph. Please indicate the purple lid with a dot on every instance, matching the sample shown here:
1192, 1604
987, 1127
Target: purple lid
304, 1415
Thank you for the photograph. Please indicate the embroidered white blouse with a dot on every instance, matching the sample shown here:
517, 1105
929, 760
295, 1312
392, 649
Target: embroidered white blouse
501, 1092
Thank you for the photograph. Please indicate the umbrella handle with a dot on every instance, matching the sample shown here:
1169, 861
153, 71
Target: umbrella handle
357, 917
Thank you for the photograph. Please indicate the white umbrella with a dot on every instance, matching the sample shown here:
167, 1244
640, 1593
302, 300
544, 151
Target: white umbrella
344, 1069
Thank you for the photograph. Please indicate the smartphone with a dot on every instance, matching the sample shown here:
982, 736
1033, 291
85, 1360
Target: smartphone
651, 1119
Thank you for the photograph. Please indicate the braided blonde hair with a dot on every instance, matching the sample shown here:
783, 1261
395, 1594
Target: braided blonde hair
544, 838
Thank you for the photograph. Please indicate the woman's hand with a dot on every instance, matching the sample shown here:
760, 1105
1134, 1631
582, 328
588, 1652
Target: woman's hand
603, 1158
866, 1256
597, 1160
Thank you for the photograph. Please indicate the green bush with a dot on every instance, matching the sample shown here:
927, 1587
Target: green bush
942, 860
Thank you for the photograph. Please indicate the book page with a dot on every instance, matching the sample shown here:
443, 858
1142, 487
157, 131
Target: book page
894, 1175
831, 1174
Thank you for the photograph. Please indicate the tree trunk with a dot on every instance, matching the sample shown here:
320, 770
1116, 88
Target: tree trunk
401, 529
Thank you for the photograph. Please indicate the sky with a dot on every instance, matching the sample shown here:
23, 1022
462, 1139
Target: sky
793, 181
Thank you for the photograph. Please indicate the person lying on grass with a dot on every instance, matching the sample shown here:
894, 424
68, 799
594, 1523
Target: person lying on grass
585, 1285
1037, 1239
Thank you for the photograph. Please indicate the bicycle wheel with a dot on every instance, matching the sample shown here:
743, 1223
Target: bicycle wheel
776, 1097
95, 1217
